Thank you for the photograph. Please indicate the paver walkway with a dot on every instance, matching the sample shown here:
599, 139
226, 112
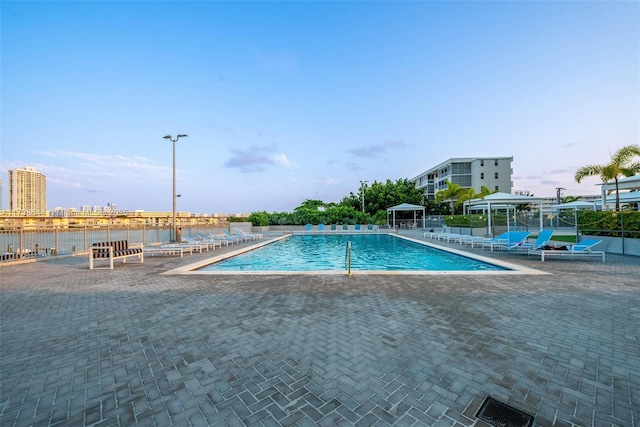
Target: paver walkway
132, 347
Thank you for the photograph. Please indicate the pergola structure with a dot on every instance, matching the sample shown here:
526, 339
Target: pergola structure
504, 201
404, 207
630, 187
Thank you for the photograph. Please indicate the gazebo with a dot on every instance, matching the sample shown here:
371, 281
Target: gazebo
404, 207
504, 201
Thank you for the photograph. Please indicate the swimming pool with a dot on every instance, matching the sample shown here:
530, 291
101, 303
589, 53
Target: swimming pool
327, 252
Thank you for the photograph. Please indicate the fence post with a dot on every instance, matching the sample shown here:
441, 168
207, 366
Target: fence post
622, 227
21, 243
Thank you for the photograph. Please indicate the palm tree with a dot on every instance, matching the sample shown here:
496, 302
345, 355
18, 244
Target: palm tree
621, 164
452, 194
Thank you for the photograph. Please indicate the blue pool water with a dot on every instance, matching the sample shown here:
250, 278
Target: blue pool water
327, 253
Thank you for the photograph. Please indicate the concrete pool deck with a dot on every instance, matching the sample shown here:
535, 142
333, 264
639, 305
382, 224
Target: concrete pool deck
130, 346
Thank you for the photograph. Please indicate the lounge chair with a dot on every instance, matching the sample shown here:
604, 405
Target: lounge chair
221, 239
236, 238
204, 241
345, 227
252, 236
542, 240
307, 227
356, 227
580, 249
334, 227
320, 227
195, 244
510, 240
432, 234
468, 239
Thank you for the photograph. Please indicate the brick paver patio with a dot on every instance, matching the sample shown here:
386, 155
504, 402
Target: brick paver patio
132, 347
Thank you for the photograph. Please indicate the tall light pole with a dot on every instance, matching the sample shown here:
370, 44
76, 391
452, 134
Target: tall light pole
173, 224
362, 186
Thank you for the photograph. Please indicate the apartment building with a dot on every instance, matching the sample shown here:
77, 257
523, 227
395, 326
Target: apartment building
469, 172
27, 190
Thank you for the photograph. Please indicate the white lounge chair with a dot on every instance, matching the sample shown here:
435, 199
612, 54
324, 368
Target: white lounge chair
236, 237
580, 250
252, 236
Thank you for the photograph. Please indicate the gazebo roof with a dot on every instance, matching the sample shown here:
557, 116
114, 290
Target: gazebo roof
577, 204
505, 198
406, 207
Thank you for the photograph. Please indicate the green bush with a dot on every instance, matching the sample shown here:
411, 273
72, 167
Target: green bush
259, 219
609, 223
473, 221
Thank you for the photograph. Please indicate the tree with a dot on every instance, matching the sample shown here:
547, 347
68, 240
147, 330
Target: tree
380, 196
621, 165
453, 193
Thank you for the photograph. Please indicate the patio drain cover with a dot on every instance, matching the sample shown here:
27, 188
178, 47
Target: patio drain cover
502, 415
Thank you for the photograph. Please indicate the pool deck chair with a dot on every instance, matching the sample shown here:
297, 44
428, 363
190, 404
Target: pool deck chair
320, 228
307, 228
345, 227
251, 236
432, 234
511, 240
579, 250
542, 240
235, 238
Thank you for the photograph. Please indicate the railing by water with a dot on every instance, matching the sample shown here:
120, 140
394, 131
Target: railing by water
19, 244
347, 258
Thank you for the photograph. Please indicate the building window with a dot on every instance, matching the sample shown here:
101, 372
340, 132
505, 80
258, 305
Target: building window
496, 188
481, 162
496, 175
481, 175
495, 162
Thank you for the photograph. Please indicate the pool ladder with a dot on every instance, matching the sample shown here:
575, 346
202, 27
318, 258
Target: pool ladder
347, 258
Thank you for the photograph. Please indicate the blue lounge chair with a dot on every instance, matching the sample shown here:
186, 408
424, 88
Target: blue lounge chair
580, 249
320, 227
542, 240
356, 227
510, 240
307, 227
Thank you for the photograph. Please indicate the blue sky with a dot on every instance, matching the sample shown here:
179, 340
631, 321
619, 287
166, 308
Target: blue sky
287, 101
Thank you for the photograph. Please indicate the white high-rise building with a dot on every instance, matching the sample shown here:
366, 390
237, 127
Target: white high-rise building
477, 172
27, 190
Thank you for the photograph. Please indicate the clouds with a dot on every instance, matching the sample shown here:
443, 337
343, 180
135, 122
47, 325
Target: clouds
256, 159
377, 150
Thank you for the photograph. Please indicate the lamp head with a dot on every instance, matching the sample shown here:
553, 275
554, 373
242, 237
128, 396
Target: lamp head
167, 137
182, 136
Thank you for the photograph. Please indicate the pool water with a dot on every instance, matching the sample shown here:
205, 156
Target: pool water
327, 252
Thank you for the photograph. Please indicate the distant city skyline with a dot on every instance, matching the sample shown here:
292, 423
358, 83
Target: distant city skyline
287, 101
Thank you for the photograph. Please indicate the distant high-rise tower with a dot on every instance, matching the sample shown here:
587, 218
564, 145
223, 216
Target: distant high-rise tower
27, 190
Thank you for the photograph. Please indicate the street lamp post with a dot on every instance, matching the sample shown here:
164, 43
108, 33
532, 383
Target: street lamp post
362, 186
173, 224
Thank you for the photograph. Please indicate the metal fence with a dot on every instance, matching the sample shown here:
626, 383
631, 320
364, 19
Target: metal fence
20, 243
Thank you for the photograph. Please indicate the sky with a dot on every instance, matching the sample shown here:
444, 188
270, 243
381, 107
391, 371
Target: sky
288, 101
